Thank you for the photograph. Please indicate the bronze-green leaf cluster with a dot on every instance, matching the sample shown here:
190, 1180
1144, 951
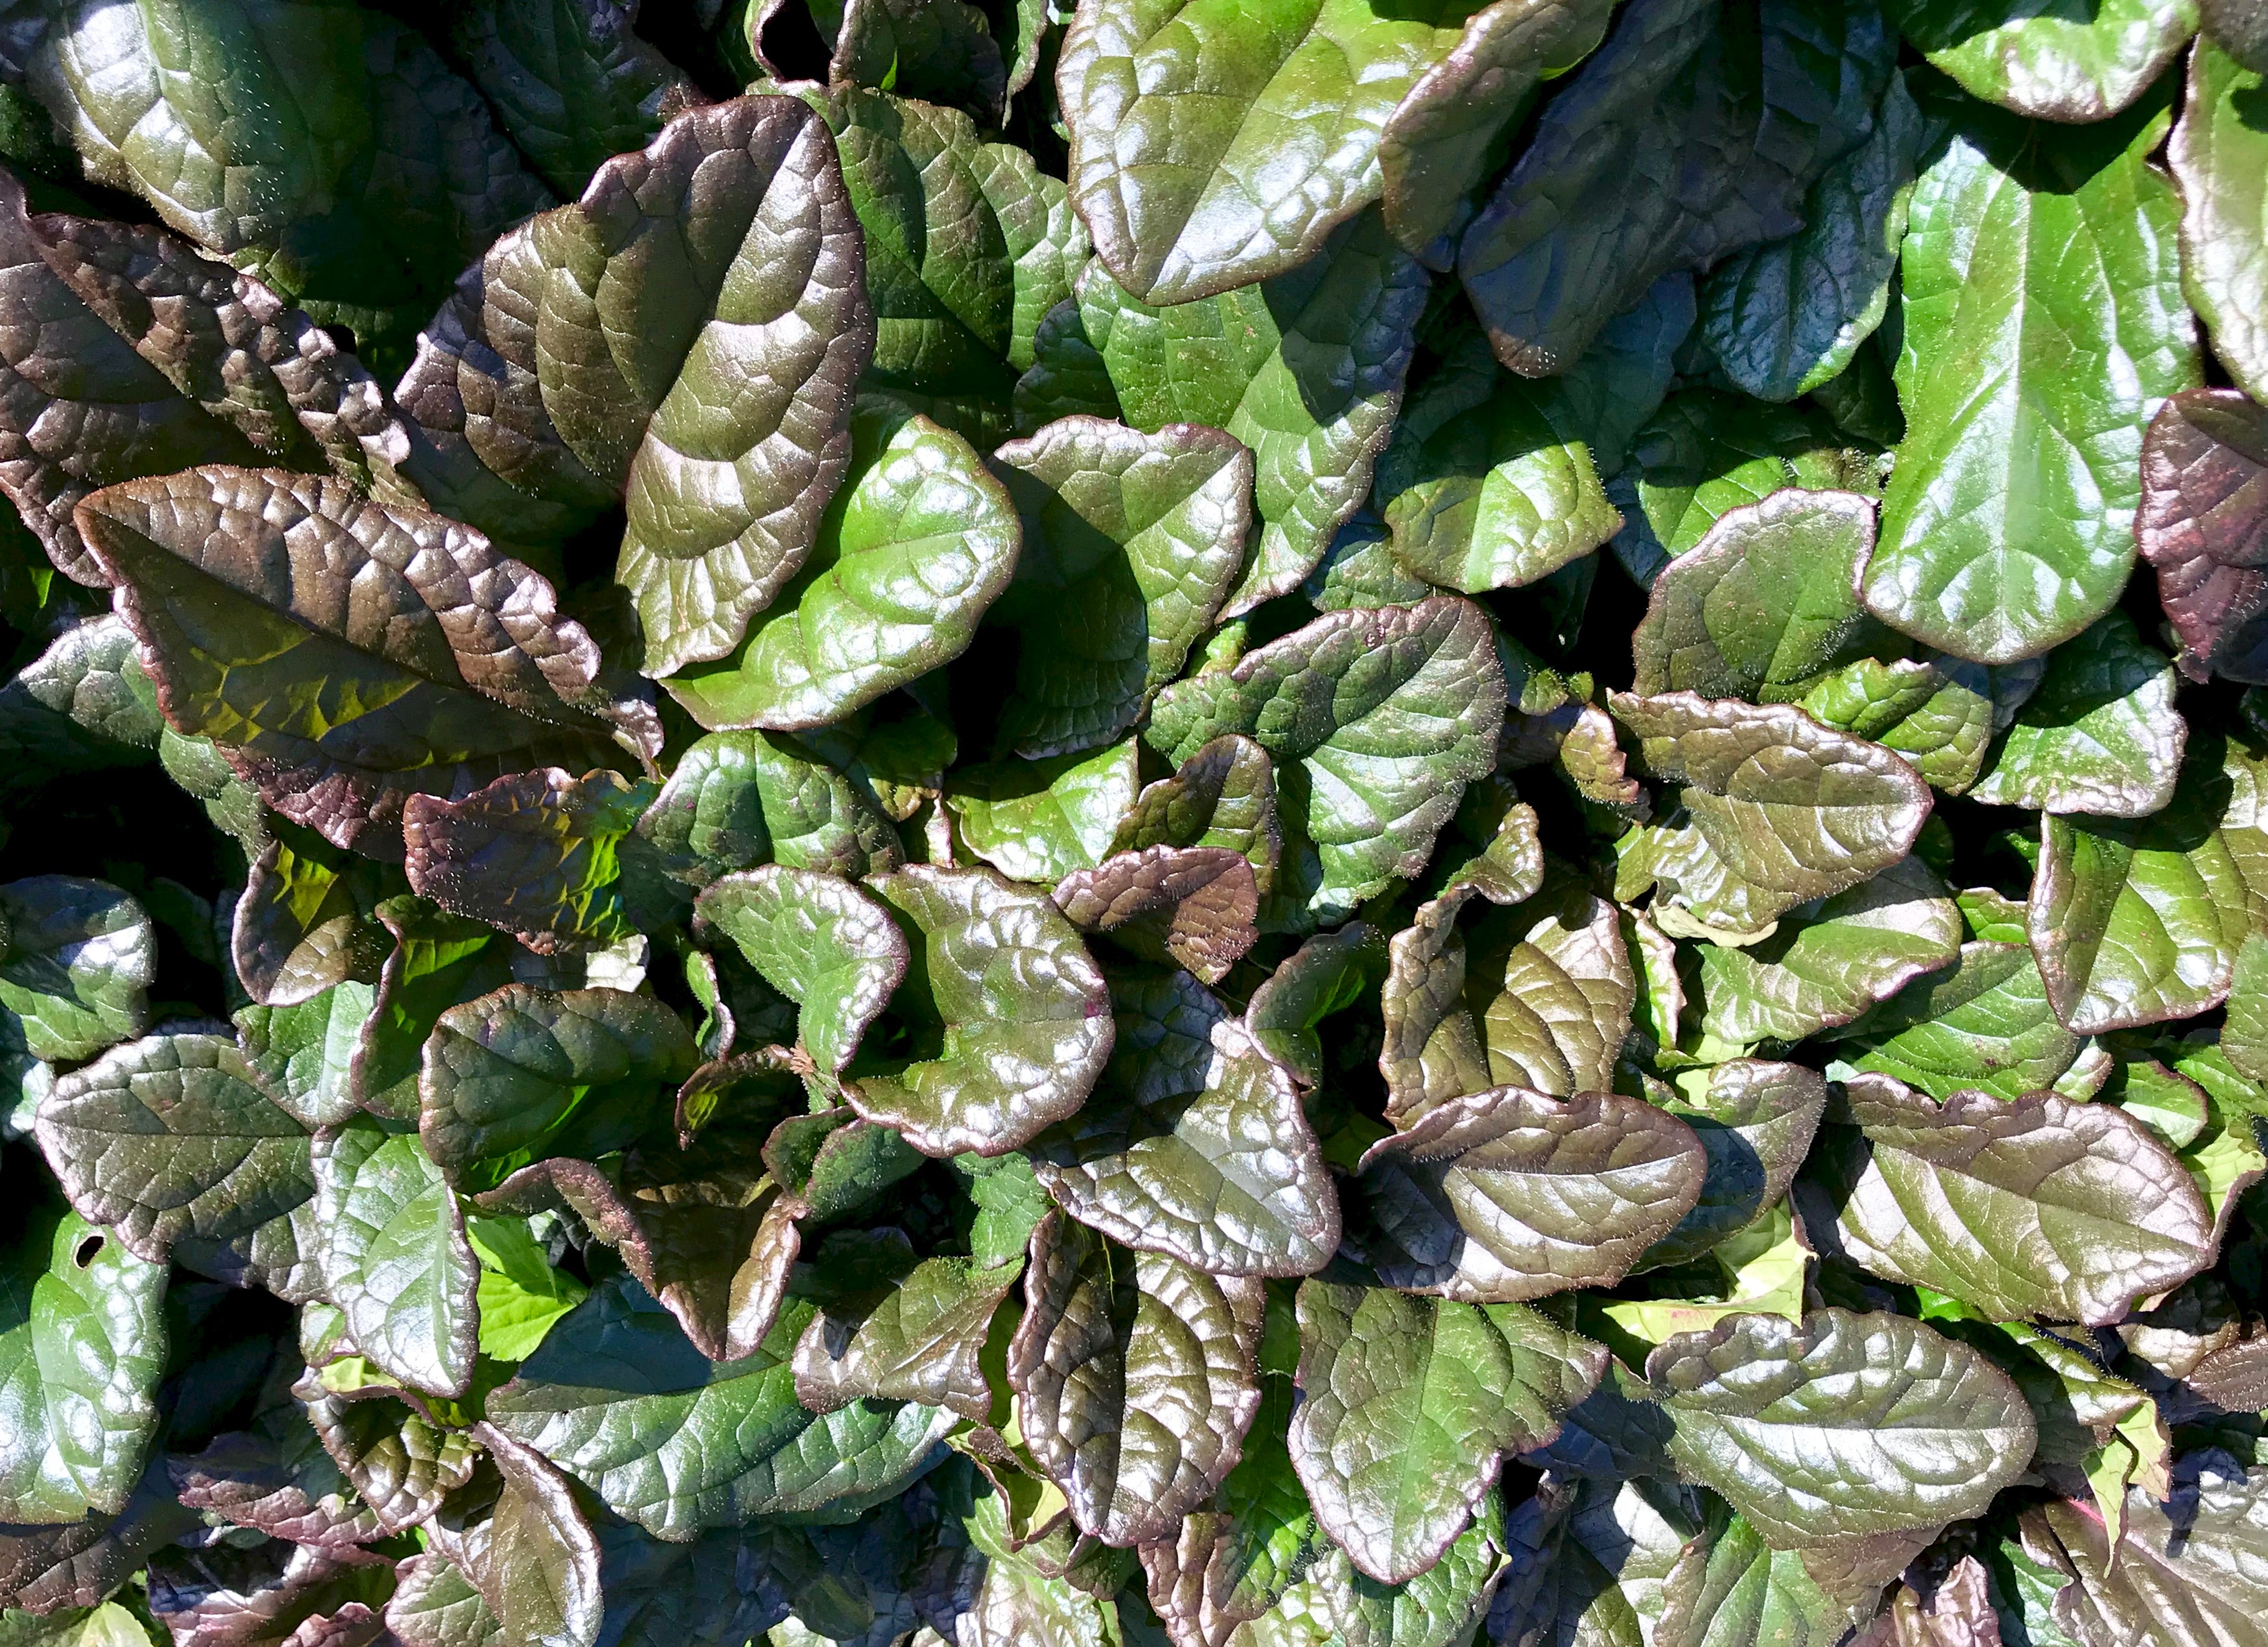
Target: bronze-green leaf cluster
1133, 823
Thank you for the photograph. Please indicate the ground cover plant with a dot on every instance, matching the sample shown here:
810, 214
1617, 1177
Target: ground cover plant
1223, 825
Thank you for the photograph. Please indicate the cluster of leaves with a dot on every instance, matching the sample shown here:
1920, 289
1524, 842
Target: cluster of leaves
1198, 825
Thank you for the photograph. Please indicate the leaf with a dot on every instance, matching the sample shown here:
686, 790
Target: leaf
83, 1344
1689, 134
1803, 1428
1538, 995
401, 1462
540, 1552
2204, 525
619, 1398
1134, 1380
394, 1256
1595, 1566
1729, 1586
1786, 317
519, 1295
968, 245
43, 1568
1830, 960
1777, 809
2216, 155
1411, 1404
1509, 1194
76, 966
82, 704
259, 1595
2067, 68
1222, 795
1937, 711
1703, 452
1489, 483
834, 1163
230, 375
1383, 716
570, 82
1215, 1166
304, 922
1436, 1609
2138, 923
1018, 1010
2018, 359
944, 52
1289, 114
2099, 734
922, 1341
434, 1604
1761, 607
1443, 139
448, 669
1194, 905
439, 960
275, 1478
705, 1229
1306, 370
1041, 820
1327, 974
1982, 1024
535, 853
1755, 1120
823, 943
2183, 1572
523, 1074
1131, 542
918, 543
174, 1139
2035, 1209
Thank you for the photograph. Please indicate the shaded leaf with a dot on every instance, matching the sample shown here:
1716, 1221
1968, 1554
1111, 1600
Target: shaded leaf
2204, 525
1755, 1120
1224, 794
76, 966
535, 853
922, 1341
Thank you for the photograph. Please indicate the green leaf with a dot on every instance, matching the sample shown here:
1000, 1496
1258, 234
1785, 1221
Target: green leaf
401, 1462
1538, 995
43, 1568
108, 1625
1691, 133
304, 922
2069, 68
1216, 1166
1845, 1426
1983, 1024
1382, 717
82, 1348
1281, 147
2244, 1035
454, 670
1411, 1404
2035, 1209
1329, 973
1130, 542
1776, 809
1510, 1194
923, 1340
76, 966
1595, 1568
1136, 1378
571, 84
82, 704
2219, 150
1306, 370
1016, 1015
540, 1557
942, 50
619, 1398
1222, 795
2043, 325
1830, 960
519, 1295
1444, 136
1937, 711
2136, 923
1729, 1588
1755, 1120
1703, 452
2184, 1572
1437, 1608
524, 1074
434, 1604
1489, 481
1784, 318
2100, 735
2205, 506
823, 943
174, 1139
1039, 820
1761, 607
536, 854
439, 960
920, 540
394, 1256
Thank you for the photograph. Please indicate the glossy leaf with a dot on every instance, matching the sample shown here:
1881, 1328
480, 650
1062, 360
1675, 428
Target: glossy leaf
75, 968
2051, 67
826, 945
1194, 905
1983, 1024
1755, 1120
2204, 526
2004, 369
2216, 155
1042, 820
536, 854
1800, 1426
924, 1341
2100, 735
394, 1257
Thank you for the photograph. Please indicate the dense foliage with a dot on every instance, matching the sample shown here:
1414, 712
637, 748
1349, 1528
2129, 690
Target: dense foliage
1219, 824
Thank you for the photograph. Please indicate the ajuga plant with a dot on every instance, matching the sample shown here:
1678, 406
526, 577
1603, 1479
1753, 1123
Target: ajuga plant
947, 823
